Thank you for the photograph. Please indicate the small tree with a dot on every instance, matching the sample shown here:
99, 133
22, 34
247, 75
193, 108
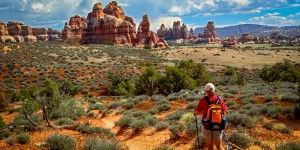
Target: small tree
149, 81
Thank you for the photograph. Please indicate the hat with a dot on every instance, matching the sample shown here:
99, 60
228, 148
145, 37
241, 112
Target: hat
209, 87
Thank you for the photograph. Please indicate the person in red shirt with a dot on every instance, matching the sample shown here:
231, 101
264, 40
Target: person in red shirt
212, 138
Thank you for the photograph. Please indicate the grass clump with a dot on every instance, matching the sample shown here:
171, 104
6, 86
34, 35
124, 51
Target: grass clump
60, 142
288, 146
64, 121
243, 120
280, 127
161, 126
241, 140
88, 129
23, 138
99, 144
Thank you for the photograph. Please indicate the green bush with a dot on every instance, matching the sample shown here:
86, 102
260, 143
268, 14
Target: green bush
281, 71
64, 121
241, 140
271, 110
99, 144
69, 108
23, 138
60, 142
88, 129
4, 133
161, 126
120, 86
148, 83
241, 119
174, 116
288, 146
229, 71
69, 88
137, 120
280, 127
21, 120
176, 129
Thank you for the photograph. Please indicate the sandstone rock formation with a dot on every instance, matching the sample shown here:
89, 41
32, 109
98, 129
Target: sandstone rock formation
14, 28
26, 31
209, 33
19, 39
74, 30
30, 39
4, 39
177, 32
3, 29
246, 38
229, 42
110, 25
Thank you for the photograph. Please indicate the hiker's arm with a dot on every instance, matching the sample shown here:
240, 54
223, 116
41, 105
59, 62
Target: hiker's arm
223, 105
199, 108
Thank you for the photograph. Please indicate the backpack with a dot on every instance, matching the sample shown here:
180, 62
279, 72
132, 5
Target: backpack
215, 119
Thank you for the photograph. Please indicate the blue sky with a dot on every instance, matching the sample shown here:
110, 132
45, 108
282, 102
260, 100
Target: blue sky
194, 13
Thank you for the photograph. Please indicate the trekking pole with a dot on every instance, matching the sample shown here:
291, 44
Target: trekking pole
198, 141
228, 146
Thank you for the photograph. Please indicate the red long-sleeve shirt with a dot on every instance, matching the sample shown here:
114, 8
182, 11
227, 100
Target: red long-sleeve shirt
203, 106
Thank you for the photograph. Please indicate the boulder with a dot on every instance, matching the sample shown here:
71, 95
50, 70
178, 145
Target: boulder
30, 39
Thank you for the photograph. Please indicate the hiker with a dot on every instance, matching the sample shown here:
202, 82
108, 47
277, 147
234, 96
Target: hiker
212, 108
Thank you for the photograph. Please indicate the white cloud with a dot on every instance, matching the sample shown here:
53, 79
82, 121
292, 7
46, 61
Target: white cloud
238, 2
273, 19
167, 21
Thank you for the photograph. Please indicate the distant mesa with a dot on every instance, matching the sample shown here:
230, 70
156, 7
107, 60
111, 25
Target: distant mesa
18, 32
177, 32
110, 25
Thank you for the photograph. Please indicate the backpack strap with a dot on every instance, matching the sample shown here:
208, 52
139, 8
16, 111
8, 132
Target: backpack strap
208, 101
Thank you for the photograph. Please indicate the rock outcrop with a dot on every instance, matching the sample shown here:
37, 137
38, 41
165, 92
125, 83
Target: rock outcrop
177, 32
209, 33
246, 38
229, 42
14, 28
145, 36
74, 30
3, 29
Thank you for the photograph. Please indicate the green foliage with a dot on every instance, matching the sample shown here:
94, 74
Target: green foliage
60, 142
187, 118
88, 129
241, 140
271, 110
176, 129
280, 127
23, 138
149, 81
229, 71
243, 120
99, 144
137, 120
288, 146
21, 120
69, 108
64, 121
174, 116
161, 126
69, 88
281, 71
120, 86
4, 133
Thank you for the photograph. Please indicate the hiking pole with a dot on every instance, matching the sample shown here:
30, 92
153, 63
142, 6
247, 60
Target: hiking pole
198, 141
228, 146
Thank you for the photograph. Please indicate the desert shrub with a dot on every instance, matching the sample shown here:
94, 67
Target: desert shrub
290, 97
176, 129
4, 133
99, 144
60, 142
148, 83
88, 129
64, 121
241, 140
96, 106
271, 110
163, 107
11, 140
163, 148
192, 105
187, 118
232, 105
243, 120
137, 120
297, 111
67, 87
175, 115
288, 146
280, 127
268, 125
122, 86
4, 101
21, 120
161, 126
23, 138
281, 71
69, 108
229, 71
